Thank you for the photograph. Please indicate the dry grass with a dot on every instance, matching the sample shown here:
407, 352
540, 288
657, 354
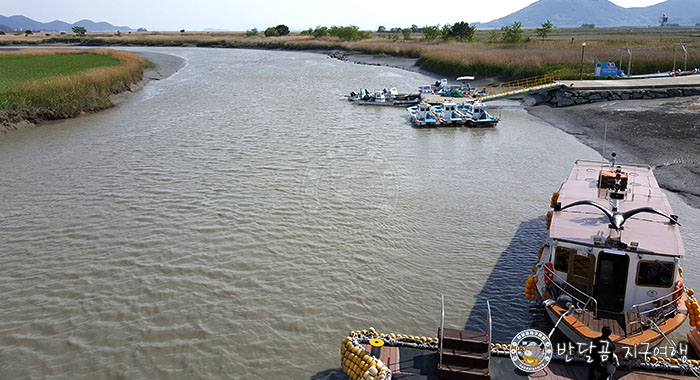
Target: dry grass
559, 54
61, 96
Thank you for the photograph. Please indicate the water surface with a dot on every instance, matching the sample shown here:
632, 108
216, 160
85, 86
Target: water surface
237, 219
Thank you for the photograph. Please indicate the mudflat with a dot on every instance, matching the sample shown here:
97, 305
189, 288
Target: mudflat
663, 133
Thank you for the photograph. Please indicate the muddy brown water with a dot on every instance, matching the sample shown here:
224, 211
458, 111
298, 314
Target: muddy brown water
238, 218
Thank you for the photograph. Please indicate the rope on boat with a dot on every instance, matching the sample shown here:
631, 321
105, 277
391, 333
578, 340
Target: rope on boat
358, 363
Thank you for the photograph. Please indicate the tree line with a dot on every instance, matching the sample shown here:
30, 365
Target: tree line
460, 31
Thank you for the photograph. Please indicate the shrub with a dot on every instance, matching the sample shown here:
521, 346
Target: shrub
282, 30
431, 32
252, 32
349, 33
271, 32
320, 31
512, 33
545, 29
462, 31
406, 34
79, 30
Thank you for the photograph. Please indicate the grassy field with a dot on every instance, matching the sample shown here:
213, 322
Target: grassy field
59, 83
559, 53
18, 68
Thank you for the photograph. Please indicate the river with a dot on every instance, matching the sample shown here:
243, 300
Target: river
238, 218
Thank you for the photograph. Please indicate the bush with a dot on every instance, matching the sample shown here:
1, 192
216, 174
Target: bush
406, 34
462, 31
431, 32
79, 30
320, 31
349, 33
271, 32
494, 36
512, 33
588, 26
282, 30
252, 32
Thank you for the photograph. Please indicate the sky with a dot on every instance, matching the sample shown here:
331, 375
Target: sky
241, 15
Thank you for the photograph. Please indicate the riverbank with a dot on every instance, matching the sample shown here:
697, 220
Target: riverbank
660, 132
87, 91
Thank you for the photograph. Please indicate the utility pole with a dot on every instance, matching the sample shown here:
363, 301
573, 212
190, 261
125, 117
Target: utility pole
580, 70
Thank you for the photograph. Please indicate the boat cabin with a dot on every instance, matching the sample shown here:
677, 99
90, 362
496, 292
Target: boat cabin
612, 255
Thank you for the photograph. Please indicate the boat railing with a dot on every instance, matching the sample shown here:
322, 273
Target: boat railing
589, 305
608, 164
442, 324
656, 310
488, 324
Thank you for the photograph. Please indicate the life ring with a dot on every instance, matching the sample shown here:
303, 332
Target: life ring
678, 291
548, 273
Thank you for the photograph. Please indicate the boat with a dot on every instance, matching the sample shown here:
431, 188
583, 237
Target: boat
422, 115
611, 257
386, 97
476, 115
448, 115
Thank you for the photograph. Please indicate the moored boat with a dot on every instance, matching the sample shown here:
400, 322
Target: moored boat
422, 115
448, 114
385, 97
611, 257
476, 115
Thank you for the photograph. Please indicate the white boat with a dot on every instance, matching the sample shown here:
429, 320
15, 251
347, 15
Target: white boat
612, 257
476, 115
422, 115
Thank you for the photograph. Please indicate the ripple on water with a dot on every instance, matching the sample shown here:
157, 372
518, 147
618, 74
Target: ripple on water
237, 219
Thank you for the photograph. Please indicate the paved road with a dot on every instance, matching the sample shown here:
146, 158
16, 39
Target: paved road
647, 83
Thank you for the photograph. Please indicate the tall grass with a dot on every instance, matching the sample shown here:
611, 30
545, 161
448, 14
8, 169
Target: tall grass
560, 54
61, 96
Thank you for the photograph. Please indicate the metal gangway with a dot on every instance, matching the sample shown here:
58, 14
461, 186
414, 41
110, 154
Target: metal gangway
518, 87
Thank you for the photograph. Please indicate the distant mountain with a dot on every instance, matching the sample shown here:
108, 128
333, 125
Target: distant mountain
19, 22
6, 29
568, 13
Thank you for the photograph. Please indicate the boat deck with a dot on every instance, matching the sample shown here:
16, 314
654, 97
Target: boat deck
621, 325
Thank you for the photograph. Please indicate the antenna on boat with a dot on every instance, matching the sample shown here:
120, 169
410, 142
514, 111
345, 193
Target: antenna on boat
605, 141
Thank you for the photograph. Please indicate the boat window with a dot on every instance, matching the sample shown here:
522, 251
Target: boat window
561, 258
582, 265
654, 273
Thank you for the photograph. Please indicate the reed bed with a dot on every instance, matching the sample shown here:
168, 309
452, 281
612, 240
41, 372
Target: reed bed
560, 54
77, 91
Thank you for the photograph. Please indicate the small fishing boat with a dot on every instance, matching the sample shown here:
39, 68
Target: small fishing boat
448, 114
422, 115
386, 97
476, 115
611, 257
